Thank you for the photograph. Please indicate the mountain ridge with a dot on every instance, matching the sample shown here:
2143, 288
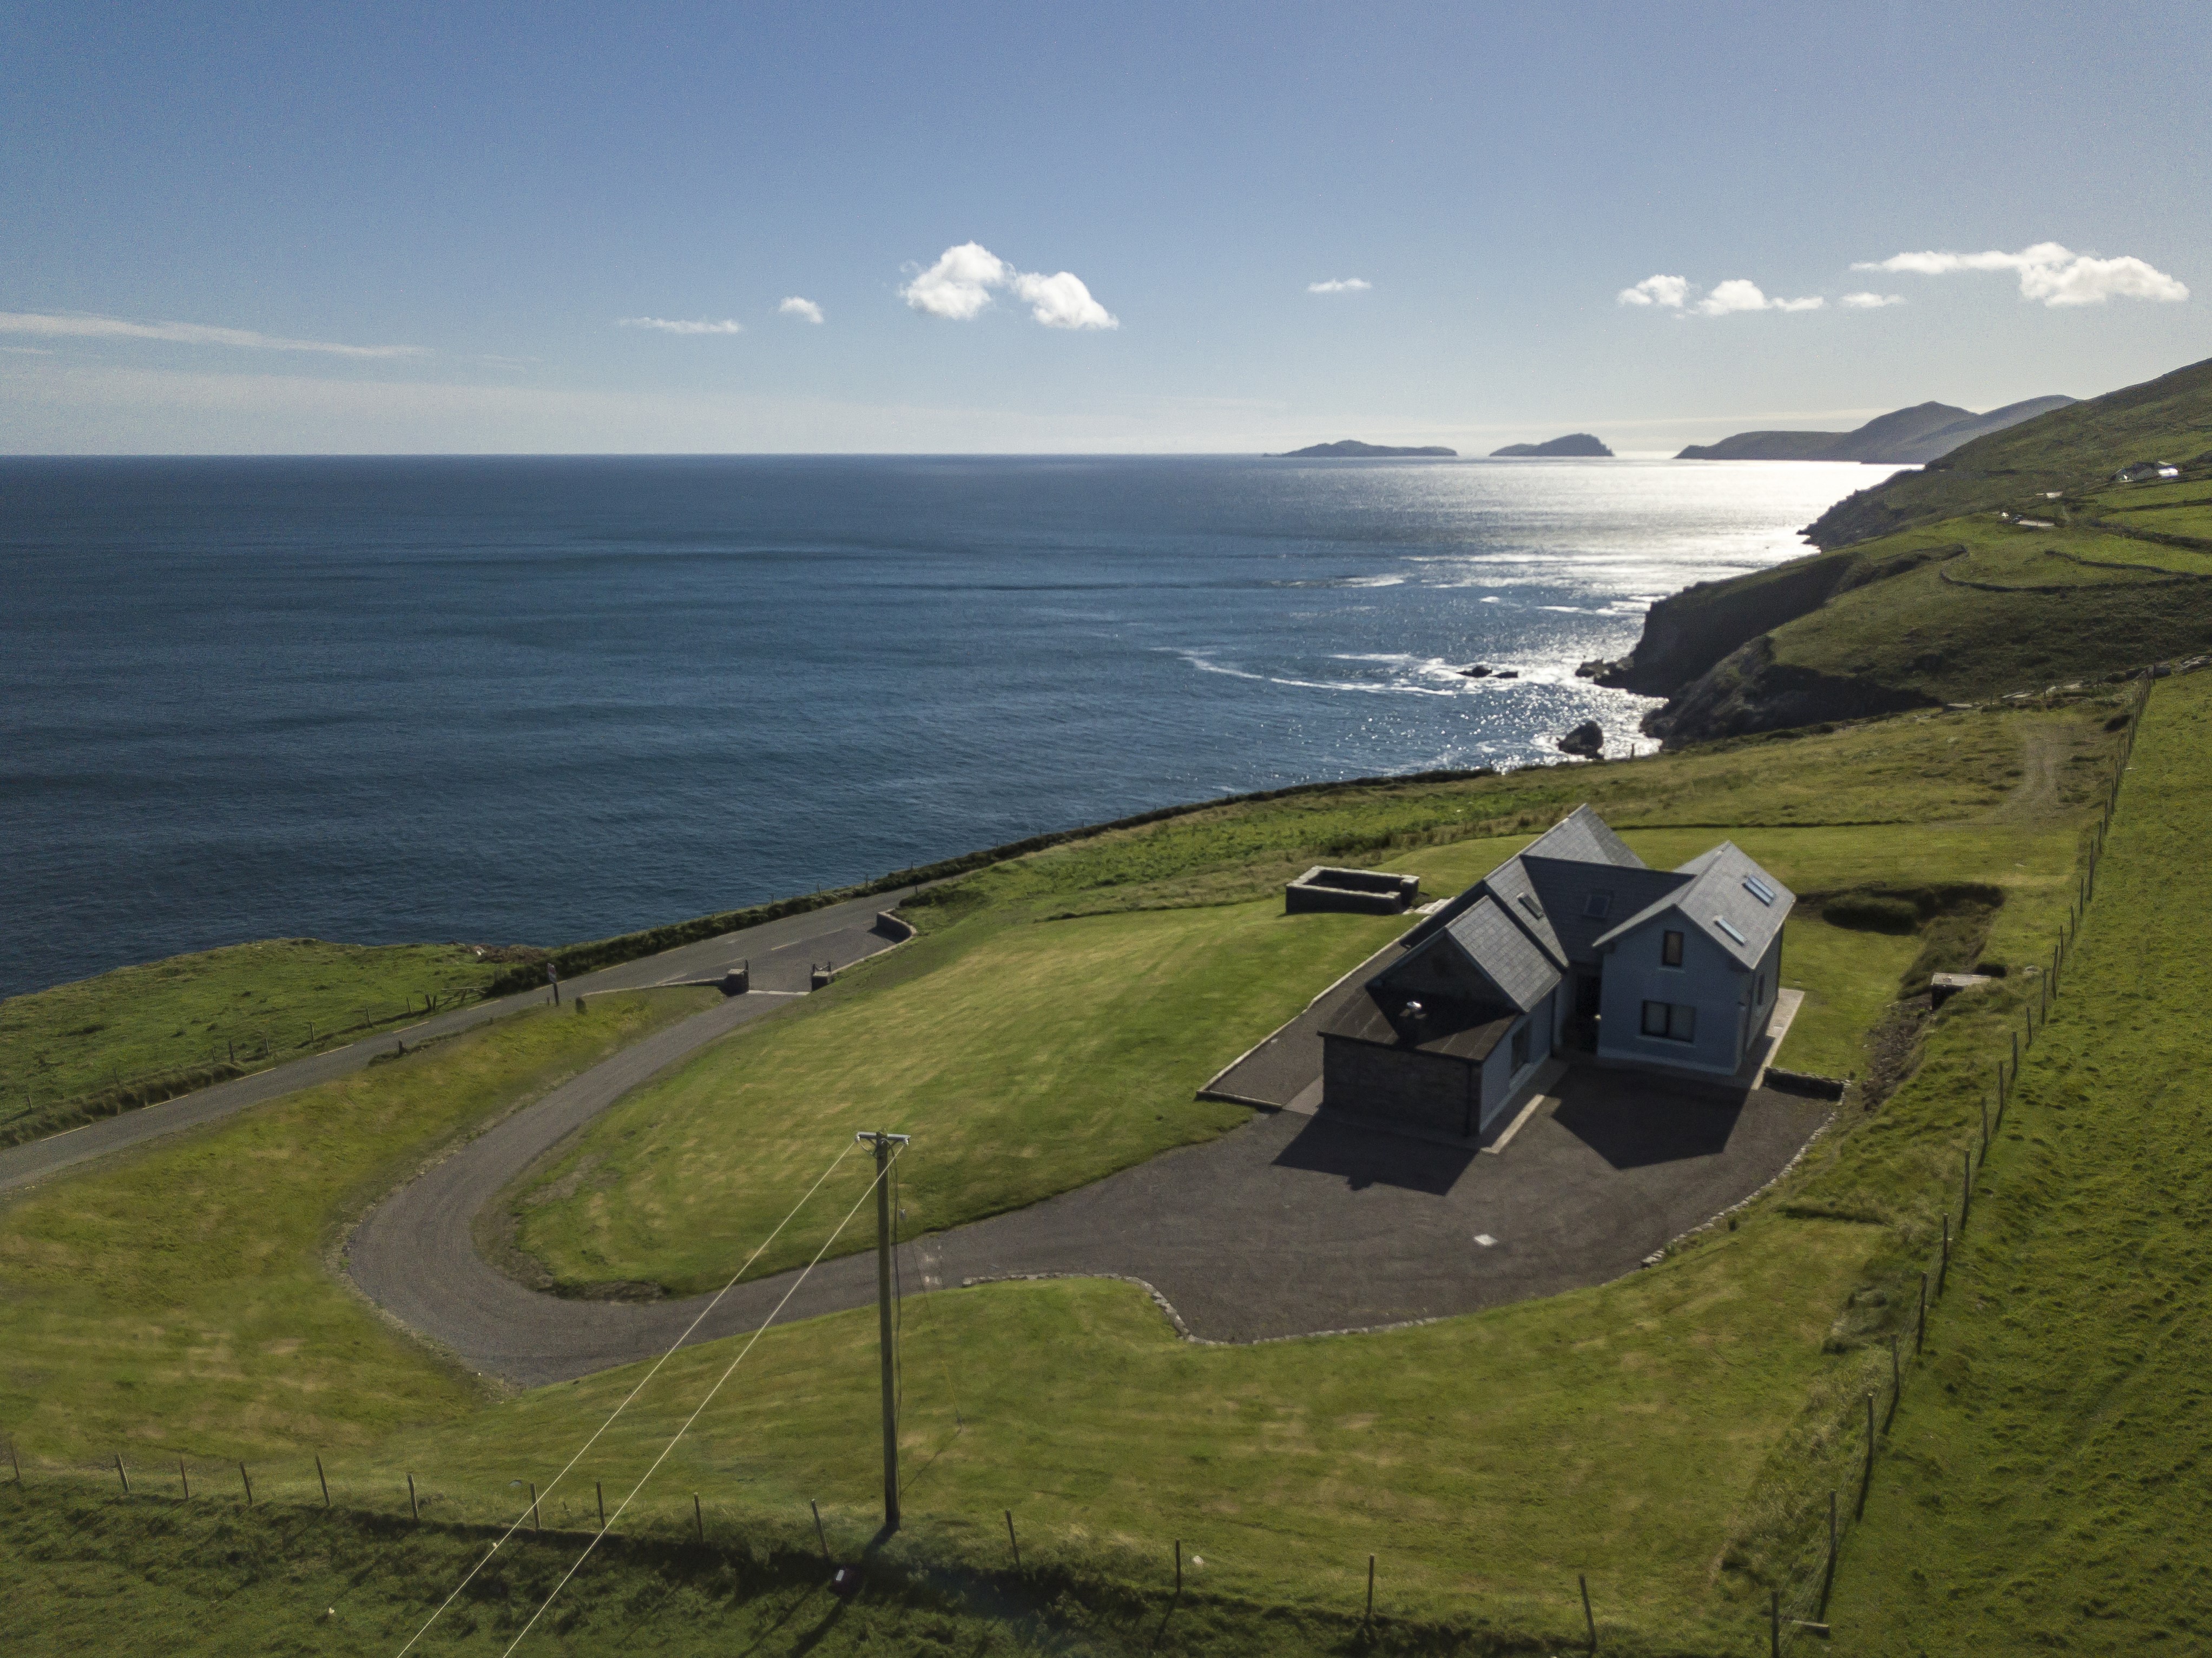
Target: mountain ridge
1903, 437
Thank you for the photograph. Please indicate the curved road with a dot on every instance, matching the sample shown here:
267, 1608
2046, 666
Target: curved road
1290, 1225
781, 952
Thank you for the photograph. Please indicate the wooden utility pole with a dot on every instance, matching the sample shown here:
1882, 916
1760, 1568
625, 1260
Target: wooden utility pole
883, 1144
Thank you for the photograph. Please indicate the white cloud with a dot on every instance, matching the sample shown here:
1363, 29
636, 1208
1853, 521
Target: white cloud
1739, 294
958, 288
1668, 291
83, 325
670, 325
1340, 285
1869, 301
805, 310
2049, 272
1061, 301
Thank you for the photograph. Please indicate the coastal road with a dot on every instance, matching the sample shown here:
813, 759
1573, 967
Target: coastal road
781, 952
1290, 1225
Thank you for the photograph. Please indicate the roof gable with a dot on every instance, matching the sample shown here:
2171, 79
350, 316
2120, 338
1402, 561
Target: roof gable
1723, 899
1583, 837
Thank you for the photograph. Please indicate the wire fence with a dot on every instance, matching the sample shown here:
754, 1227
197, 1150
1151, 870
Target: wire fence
1848, 1443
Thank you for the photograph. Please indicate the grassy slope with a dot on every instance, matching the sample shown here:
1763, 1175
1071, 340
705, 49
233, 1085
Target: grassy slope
178, 1297
2045, 1486
1031, 1056
188, 1010
2169, 418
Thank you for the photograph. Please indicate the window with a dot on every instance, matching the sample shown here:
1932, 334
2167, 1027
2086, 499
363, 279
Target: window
1728, 927
1670, 950
1758, 890
1596, 904
1521, 1048
1531, 905
1677, 1022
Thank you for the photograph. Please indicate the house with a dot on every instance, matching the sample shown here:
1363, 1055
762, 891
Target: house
1574, 945
2143, 471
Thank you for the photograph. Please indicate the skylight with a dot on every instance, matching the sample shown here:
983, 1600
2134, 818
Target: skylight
1596, 904
1723, 923
1759, 889
1531, 905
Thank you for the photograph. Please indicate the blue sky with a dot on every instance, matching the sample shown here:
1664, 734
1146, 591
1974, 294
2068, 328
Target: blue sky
196, 200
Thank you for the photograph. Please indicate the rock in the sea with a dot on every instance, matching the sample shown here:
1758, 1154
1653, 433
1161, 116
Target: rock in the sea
1575, 443
1505, 673
1587, 739
1475, 671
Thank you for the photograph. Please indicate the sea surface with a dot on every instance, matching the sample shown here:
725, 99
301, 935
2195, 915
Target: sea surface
540, 700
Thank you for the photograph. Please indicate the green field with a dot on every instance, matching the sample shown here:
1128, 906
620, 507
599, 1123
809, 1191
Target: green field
216, 1013
2044, 1487
182, 1298
1668, 1436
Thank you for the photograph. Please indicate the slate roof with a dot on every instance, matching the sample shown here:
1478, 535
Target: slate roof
1504, 954
1719, 890
1566, 889
1583, 837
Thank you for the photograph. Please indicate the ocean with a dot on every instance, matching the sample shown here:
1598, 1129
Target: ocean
541, 700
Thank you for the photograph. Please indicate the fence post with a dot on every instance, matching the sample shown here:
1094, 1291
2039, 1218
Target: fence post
1966, 1188
1943, 1261
1920, 1329
1370, 1591
1896, 1383
1012, 1541
122, 1473
322, 1480
184, 1480
599, 1491
1866, 1479
414, 1504
1828, 1577
248, 1479
1774, 1625
1589, 1622
534, 1526
1178, 1543
13, 1463
698, 1517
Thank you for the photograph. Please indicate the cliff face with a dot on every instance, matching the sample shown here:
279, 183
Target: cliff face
1748, 691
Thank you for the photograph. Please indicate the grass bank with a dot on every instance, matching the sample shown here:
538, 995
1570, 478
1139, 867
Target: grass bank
146, 1033
180, 1298
2044, 1482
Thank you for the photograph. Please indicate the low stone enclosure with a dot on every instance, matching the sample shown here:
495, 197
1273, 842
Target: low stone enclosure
1362, 891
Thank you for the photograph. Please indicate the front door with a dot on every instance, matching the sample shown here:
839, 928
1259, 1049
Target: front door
1582, 1032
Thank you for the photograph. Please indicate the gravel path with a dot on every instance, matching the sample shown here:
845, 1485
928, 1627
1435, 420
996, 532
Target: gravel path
781, 952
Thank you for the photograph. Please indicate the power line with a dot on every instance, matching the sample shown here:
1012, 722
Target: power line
729, 1371
631, 1396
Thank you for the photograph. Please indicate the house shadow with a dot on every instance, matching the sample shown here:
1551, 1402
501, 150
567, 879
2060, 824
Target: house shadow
1363, 1157
1634, 1123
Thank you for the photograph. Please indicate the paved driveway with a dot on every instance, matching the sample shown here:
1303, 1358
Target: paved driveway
1290, 1225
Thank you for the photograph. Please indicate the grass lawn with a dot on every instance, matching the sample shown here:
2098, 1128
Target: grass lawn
1029, 1056
181, 1297
2044, 1487
293, 995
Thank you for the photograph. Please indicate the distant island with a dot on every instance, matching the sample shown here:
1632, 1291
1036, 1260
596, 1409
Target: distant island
1575, 443
1351, 449
1905, 437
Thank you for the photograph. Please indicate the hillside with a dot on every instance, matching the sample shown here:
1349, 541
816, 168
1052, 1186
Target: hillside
2013, 565
2076, 447
1904, 437
1353, 449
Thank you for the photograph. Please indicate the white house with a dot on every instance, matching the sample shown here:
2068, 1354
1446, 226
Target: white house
1575, 944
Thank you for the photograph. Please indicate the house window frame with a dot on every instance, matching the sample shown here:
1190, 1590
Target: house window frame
1523, 1044
1671, 948
1678, 1022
